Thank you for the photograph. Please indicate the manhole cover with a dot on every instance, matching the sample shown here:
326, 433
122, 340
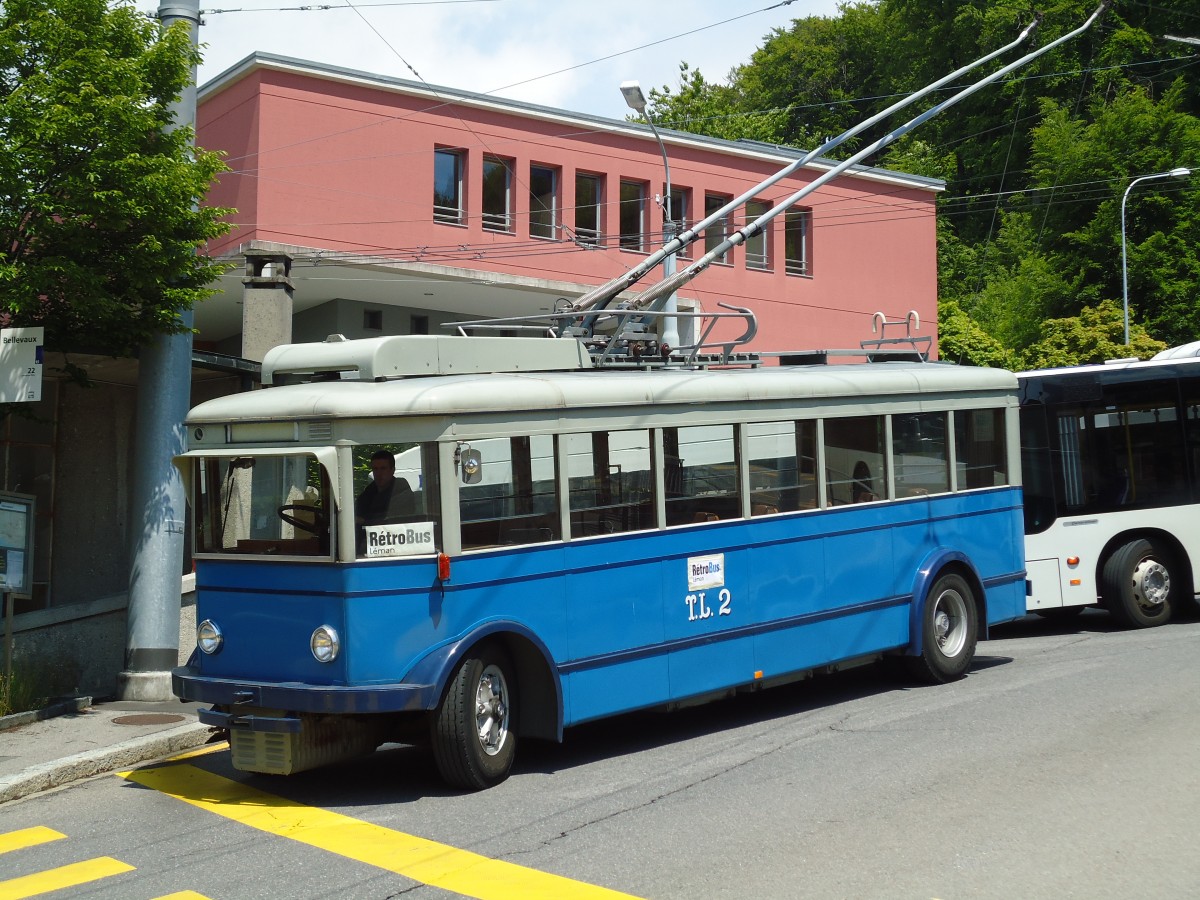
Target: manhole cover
148, 719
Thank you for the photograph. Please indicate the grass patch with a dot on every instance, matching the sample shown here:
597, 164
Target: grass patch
35, 681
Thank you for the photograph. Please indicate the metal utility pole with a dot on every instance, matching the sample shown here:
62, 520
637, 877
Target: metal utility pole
669, 330
158, 507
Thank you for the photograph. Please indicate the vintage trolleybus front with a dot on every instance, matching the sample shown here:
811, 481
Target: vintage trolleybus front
560, 544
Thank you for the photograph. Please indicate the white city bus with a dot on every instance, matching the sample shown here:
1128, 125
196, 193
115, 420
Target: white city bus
1111, 456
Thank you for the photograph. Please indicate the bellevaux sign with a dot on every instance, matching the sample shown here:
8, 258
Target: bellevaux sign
21, 364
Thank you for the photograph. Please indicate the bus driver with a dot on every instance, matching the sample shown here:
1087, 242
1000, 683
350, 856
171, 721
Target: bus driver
386, 497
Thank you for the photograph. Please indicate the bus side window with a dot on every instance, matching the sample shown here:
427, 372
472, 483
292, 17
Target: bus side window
850, 445
920, 454
611, 482
782, 466
515, 502
413, 495
708, 474
979, 445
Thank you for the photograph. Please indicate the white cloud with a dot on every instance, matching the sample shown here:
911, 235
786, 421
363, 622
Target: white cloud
531, 50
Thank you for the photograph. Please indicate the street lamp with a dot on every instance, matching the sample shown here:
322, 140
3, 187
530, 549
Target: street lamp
1180, 172
636, 100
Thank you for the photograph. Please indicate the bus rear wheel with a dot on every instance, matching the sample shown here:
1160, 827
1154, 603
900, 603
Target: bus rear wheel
949, 626
473, 740
1136, 584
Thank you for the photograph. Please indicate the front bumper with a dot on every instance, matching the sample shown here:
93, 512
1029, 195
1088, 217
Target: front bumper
294, 698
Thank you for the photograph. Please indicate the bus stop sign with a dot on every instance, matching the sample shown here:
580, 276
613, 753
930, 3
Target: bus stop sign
21, 364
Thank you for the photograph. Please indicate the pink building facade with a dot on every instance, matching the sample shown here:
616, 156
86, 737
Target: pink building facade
419, 206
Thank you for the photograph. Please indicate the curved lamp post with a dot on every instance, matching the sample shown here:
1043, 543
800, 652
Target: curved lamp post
1180, 172
636, 100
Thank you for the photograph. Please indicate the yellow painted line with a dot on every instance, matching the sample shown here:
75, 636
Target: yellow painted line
183, 895
421, 860
62, 877
28, 837
200, 751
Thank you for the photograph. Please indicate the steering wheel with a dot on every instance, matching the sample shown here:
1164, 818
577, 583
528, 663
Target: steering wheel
316, 526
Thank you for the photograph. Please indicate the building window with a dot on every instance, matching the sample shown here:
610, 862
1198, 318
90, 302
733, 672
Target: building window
372, 320
797, 241
681, 209
448, 186
418, 324
715, 233
589, 195
633, 215
758, 247
543, 202
497, 194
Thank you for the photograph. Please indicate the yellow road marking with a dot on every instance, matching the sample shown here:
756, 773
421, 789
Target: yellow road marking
200, 751
62, 877
183, 895
28, 837
425, 861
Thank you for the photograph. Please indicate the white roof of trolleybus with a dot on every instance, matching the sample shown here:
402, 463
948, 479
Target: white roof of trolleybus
450, 395
1185, 353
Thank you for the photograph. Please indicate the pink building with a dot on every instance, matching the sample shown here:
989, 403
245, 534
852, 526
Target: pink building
404, 207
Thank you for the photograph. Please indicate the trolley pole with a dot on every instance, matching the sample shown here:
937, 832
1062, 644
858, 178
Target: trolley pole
158, 506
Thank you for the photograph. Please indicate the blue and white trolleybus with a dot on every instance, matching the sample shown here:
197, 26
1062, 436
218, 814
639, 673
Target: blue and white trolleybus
564, 542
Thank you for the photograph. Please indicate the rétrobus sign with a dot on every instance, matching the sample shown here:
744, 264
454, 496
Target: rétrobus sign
407, 539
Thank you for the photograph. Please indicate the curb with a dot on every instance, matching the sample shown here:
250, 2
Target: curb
61, 708
102, 762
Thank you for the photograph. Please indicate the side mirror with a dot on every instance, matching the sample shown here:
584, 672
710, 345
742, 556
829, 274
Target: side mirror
472, 466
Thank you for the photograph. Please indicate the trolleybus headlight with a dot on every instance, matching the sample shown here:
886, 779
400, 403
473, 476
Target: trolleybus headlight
209, 637
325, 644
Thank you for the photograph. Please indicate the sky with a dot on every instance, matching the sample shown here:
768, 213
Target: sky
570, 54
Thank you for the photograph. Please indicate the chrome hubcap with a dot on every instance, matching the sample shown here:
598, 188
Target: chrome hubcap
1151, 584
491, 710
950, 623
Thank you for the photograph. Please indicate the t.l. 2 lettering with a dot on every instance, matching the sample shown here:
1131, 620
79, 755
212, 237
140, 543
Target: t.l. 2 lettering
698, 605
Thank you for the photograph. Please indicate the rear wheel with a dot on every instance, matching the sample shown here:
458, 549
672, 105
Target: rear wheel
473, 741
949, 625
1136, 584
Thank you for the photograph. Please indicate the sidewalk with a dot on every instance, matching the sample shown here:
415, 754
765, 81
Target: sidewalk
81, 739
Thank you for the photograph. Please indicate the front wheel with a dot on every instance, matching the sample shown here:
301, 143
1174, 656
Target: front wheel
949, 625
473, 740
1136, 584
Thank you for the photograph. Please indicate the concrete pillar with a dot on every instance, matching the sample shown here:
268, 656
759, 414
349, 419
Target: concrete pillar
158, 507
266, 303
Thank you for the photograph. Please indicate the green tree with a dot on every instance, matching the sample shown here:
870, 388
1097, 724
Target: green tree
100, 215
701, 107
819, 71
1096, 334
961, 340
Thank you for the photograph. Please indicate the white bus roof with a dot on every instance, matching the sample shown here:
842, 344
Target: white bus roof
1185, 354
453, 395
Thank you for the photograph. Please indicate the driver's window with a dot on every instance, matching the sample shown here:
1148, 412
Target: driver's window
276, 505
394, 485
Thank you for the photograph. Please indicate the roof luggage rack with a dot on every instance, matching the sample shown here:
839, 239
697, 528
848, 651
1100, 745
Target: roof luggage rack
625, 340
